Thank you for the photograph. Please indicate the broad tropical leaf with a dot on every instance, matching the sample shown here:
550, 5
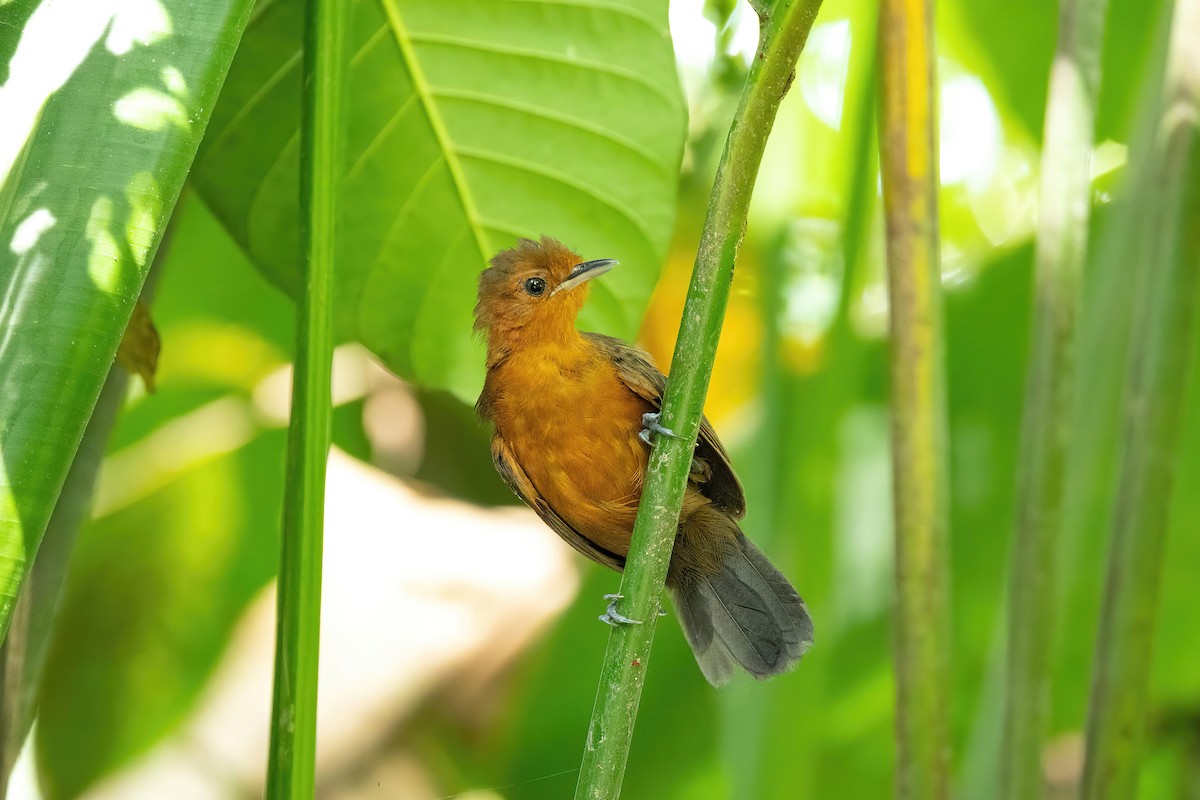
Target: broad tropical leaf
102, 108
472, 122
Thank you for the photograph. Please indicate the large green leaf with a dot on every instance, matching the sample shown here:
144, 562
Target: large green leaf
472, 122
103, 107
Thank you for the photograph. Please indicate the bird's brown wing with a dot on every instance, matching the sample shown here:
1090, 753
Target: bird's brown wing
714, 477
519, 482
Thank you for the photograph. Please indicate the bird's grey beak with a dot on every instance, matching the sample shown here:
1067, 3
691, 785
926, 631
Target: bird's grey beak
581, 273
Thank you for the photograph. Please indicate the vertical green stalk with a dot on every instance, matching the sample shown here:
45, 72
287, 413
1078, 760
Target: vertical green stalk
908, 160
1064, 208
291, 770
1168, 265
785, 28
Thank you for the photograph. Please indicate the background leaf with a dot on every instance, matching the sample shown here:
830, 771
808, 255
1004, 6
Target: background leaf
471, 123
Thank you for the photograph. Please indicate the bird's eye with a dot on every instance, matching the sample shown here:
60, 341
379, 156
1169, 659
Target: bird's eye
535, 286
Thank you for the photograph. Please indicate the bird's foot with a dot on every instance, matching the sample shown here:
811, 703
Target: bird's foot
614, 617
651, 426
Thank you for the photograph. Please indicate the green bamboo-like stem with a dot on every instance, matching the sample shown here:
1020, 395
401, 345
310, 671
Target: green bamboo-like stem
1168, 265
908, 162
782, 37
1064, 208
291, 769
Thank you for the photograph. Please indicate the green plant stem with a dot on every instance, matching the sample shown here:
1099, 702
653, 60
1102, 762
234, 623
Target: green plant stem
1168, 263
291, 770
781, 40
908, 161
1064, 208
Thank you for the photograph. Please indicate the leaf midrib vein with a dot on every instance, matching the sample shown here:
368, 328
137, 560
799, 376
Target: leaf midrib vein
421, 87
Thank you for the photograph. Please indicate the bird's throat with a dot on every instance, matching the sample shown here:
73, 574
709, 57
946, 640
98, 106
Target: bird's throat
546, 335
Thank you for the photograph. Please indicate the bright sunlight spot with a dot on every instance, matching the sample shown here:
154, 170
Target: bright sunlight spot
745, 32
174, 81
822, 72
694, 35
104, 262
150, 110
54, 42
136, 22
145, 203
970, 130
30, 230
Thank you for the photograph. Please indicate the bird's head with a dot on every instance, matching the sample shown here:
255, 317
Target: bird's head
535, 288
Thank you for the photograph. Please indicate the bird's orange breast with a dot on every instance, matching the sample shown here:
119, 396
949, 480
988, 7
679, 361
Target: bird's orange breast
572, 426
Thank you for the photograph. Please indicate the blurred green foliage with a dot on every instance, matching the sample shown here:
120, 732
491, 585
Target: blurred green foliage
175, 554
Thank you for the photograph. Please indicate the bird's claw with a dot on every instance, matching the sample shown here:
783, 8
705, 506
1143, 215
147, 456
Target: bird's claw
613, 617
651, 425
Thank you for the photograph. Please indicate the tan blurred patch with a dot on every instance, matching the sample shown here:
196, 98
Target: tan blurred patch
1062, 764
427, 604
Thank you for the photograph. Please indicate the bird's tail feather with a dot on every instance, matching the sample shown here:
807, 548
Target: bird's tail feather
747, 613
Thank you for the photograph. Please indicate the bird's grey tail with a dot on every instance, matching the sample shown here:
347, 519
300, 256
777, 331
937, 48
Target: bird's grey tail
748, 614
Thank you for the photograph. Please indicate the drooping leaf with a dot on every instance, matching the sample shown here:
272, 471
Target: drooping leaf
154, 591
472, 123
102, 109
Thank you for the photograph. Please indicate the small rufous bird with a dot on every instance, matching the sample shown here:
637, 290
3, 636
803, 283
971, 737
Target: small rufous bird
573, 413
